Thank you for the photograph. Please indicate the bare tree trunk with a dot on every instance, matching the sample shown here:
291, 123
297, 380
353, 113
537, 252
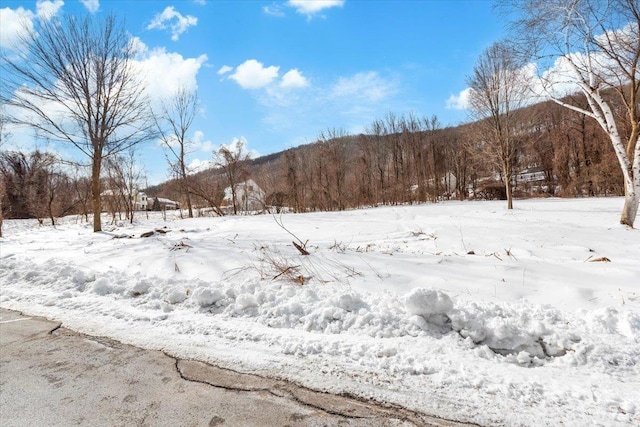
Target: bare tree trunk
96, 192
508, 187
632, 191
630, 209
187, 190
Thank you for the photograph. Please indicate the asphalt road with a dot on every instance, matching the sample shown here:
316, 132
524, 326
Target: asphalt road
51, 376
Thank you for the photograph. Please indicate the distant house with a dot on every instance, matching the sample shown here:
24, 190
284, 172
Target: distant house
140, 201
115, 199
162, 204
533, 174
249, 196
447, 185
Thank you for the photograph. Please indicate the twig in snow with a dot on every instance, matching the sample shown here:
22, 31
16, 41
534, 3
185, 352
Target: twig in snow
301, 248
599, 259
299, 245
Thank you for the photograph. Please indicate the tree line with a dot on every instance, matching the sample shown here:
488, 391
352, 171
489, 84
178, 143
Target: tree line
73, 80
410, 159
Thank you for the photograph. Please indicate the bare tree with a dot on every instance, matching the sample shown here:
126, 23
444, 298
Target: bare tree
73, 80
332, 162
432, 125
594, 45
208, 191
233, 162
124, 180
173, 124
81, 189
457, 159
497, 91
30, 183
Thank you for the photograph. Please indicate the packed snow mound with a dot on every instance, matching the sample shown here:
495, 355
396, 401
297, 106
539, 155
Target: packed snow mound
427, 302
519, 333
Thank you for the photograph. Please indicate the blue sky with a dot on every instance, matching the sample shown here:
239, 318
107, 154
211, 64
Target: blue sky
277, 73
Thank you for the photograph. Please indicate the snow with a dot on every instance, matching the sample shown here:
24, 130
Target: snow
462, 310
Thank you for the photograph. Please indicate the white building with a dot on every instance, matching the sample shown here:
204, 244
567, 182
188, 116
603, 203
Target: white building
249, 196
165, 204
140, 201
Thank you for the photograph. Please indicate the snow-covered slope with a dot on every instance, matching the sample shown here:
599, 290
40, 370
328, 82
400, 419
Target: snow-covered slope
461, 309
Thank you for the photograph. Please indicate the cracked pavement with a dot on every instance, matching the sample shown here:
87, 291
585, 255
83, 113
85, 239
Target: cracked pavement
52, 376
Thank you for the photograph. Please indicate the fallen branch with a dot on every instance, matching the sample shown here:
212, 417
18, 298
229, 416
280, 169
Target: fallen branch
301, 248
299, 245
599, 259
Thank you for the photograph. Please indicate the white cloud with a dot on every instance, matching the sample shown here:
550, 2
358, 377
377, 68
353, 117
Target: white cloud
560, 78
268, 87
13, 23
197, 165
293, 79
557, 81
47, 9
137, 46
233, 147
311, 7
173, 20
459, 101
197, 142
252, 74
200, 143
91, 5
367, 86
165, 72
225, 69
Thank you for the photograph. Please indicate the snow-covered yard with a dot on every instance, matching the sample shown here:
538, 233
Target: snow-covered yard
462, 310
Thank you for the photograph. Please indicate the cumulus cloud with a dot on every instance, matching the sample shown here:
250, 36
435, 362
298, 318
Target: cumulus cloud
138, 47
91, 5
164, 73
266, 83
200, 143
252, 74
197, 142
233, 146
198, 165
293, 79
459, 101
367, 86
557, 81
173, 20
47, 9
13, 23
311, 7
